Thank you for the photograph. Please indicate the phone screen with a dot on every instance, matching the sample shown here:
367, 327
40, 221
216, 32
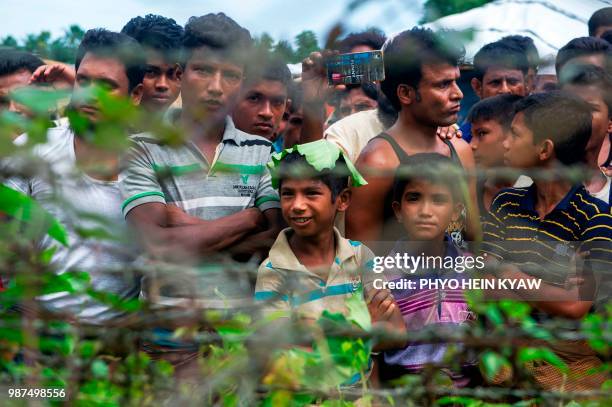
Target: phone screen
355, 68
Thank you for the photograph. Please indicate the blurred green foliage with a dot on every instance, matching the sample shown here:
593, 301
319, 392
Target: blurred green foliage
244, 364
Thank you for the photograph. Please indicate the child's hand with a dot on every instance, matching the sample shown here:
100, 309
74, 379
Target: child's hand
385, 311
59, 75
381, 305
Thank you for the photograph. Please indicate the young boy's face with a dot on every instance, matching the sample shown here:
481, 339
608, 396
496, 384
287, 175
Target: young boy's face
519, 148
210, 84
307, 206
260, 108
426, 210
161, 83
601, 125
487, 139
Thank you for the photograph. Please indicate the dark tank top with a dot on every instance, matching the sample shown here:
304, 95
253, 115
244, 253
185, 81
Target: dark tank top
392, 230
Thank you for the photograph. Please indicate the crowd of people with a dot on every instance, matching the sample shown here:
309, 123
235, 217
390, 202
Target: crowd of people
308, 183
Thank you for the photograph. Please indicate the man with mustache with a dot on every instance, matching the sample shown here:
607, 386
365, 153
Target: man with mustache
500, 68
421, 76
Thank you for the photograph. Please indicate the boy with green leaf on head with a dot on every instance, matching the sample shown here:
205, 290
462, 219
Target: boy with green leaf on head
311, 269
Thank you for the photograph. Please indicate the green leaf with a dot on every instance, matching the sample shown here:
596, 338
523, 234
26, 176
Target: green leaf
70, 281
542, 354
78, 122
515, 309
98, 233
460, 400
534, 330
358, 310
230, 400
11, 335
47, 255
88, 348
321, 155
115, 301
492, 363
38, 100
494, 314
62, 345
164, 368
99, 369
27, 210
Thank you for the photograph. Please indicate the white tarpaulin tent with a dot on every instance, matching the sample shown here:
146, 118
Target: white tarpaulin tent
551, 23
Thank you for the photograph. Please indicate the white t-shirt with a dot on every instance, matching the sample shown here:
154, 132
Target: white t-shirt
604, 193
523, 181
353, 132
81, 203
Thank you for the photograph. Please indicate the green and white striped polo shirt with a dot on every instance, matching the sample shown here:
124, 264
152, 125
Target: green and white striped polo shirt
237, 179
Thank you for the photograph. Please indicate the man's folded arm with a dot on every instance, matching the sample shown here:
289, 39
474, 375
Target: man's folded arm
165, 236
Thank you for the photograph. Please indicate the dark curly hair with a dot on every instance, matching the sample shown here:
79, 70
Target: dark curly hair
600, 18
125, 49
219, 32
527, 45
407, 52
499, 108
153, 31
371, 38
503, 53
12, 61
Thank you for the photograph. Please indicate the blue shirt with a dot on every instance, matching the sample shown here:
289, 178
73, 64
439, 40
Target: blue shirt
466, 130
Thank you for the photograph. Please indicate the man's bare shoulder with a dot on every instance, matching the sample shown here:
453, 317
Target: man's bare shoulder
378, 153
464, 150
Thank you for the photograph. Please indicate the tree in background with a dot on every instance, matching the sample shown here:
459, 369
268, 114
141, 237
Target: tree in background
9, 42
264, 41
61, 49
64, 48
284, 50
434, 9
306, 42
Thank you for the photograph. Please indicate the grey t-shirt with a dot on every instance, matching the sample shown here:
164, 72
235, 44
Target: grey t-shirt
237, 178
81, 204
